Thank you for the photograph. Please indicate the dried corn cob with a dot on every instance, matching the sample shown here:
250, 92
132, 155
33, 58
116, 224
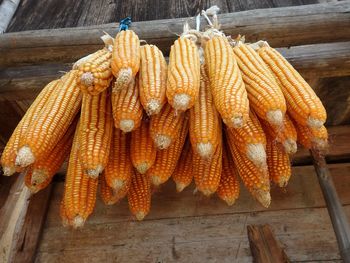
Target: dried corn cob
250, 140
127, 109
165, 126
207, 173
204, 120
303, 104
183, 173
119, 169
139, 195
96, 125
48, 128
278, 163
228, 189
41, 173
183, 74
285, 134
227, 87
95, 73
255, 179
311, 137
166, 160
143, 152
125, 58
265, 96
109, 195
152, 77
9, 154
79, 190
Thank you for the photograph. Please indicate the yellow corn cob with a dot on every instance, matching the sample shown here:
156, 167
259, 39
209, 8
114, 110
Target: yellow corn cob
9, 154
41, 173
165, 126
255, 179
250, 140
227, 87
63, 214
207, 173
311, 137
109, 195
265, 96
204, 120
183, 74
96, 125
79, 190
183, 173
228, 189
139, 195
143, 152
285, 134
119, 169
166, 160
127, 109
152, 77
51, 124
303, 104
125, 58
278, 163
95, 73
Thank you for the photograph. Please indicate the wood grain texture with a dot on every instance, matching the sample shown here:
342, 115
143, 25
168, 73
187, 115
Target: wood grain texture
185, 227
59, 14
282, 27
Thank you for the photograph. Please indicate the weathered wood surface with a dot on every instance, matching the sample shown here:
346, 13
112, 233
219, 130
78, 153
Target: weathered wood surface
282, 27
7, 10
264, 246
58, 14
187, 228
323, 60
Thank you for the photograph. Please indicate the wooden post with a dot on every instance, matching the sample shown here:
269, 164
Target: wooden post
336, 212
264, 246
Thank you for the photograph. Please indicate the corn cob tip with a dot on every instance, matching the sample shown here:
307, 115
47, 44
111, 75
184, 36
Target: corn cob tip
142, 167
24, 157
206, 192
205, 150
162, 141
230, 201
153, 107
290, 146
126, 125
38, 177
87, 79
181, 102
275, 117
8, 171
140, 216
283, 181
117, 184
237, 122
94, 173
123, 79
156, 180
78, 222
263, 197
180, 187
257, 154
65, 222
33, 189
314, 123
320, 144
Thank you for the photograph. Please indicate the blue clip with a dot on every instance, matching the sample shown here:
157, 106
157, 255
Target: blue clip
124, 23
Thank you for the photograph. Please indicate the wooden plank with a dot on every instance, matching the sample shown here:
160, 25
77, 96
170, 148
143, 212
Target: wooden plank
282, 27
25, 82
303, 191
7, 10
28, 238
305, 233
264, 246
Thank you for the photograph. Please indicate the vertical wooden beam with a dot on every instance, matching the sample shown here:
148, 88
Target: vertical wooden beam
264, 246
22, 218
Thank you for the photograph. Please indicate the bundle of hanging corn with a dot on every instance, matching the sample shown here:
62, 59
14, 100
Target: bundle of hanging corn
129, 122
